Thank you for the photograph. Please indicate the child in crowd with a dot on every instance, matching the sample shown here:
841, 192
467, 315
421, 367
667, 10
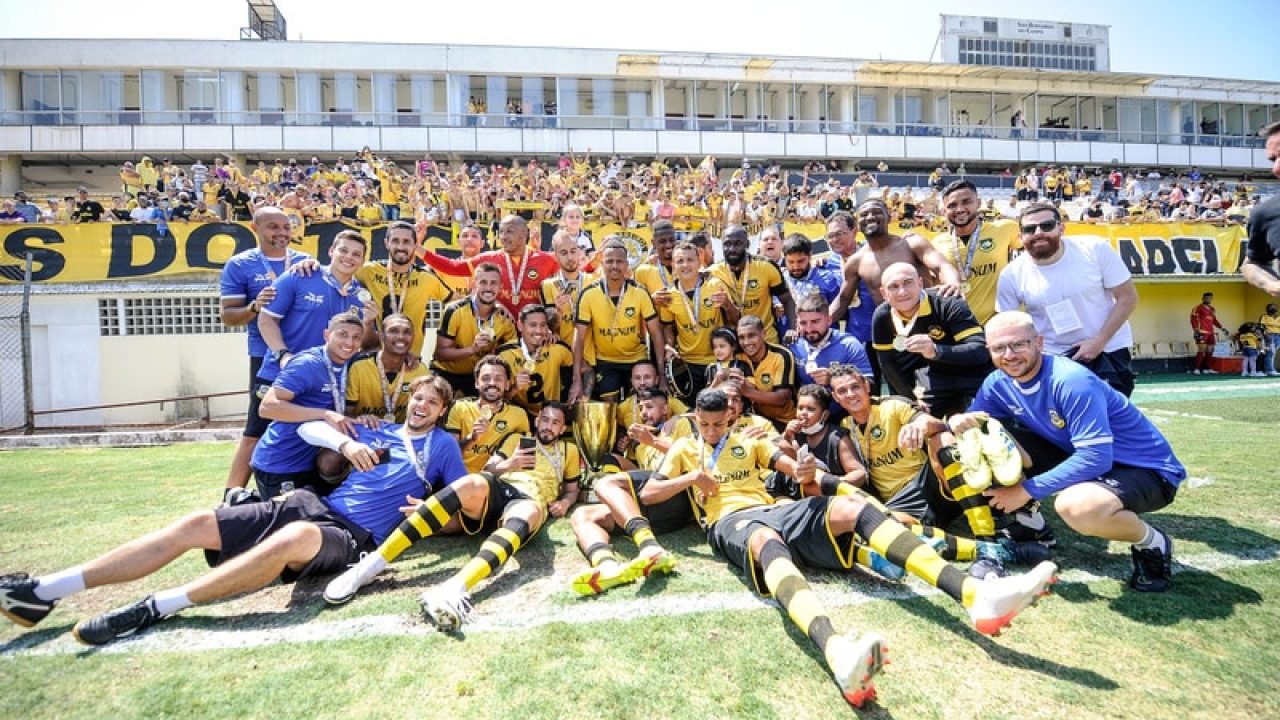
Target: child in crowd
1250, 338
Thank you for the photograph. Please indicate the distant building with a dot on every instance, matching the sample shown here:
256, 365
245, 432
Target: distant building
1035, 44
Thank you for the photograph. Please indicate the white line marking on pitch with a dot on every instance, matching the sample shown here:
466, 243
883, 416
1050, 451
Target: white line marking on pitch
833, 593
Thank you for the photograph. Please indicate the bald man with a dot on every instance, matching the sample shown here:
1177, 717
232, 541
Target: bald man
523, 268
931, 348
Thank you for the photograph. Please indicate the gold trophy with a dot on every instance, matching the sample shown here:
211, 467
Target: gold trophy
593, 430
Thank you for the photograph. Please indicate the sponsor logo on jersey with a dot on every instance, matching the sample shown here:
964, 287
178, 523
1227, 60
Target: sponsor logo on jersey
1056, 419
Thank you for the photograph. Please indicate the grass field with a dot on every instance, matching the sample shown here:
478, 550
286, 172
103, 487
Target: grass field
696, 644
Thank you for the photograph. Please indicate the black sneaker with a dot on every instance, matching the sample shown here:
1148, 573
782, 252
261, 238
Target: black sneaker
1152, 568
1027, 554
18, 600
118, 623
1029, 527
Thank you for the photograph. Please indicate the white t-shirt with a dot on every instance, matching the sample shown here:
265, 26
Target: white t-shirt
1068, 299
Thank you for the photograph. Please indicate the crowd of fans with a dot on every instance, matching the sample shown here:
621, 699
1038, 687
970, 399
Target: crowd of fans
369, 189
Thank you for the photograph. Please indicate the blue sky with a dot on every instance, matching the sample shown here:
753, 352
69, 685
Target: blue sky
1227, 38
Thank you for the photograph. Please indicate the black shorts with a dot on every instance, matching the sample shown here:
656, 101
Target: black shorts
254, 424
914, 498
244, 527
272, 484
803, 527
500, 496
1140, 489
612, 379
666, 516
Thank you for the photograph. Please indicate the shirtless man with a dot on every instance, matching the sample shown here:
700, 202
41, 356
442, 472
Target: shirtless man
884, 249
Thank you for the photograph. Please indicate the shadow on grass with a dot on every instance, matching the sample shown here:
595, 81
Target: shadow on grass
945, 619
1217, 533
1196, 595
35, 638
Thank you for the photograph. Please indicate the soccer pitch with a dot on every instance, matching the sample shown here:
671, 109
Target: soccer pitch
696, 644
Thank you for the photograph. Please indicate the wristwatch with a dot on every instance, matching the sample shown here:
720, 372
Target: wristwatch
279, 355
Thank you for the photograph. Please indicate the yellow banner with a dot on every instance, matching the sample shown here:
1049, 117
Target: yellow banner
102, 252
1146, 248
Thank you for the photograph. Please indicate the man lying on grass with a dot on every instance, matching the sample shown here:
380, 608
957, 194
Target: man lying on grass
293, 536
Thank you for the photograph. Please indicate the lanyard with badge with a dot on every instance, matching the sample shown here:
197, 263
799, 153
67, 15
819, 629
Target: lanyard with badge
390, 394
556, 461
516, 280
903, 326
266, 264
421, 461
397, 305
337, 386
967, 265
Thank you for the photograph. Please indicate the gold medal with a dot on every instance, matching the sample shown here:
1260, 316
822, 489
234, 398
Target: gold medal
364, 296
900, 343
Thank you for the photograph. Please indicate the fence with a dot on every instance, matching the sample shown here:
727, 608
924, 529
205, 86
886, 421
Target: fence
16, 406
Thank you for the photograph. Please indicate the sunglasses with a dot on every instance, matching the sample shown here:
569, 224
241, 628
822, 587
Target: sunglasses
1042, 226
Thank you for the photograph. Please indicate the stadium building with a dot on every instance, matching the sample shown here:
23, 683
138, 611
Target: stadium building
72, 110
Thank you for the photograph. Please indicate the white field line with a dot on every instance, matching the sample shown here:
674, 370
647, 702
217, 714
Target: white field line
1163, 416
1258, 384
835, 593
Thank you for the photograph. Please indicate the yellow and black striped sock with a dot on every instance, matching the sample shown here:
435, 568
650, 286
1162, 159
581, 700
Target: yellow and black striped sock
600, 553
974, 504
430, 517
502, 544
794, 594
956, 547
896, 543
640, 532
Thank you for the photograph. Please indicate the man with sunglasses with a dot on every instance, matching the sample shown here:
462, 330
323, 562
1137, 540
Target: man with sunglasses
1106, 462
1078, 291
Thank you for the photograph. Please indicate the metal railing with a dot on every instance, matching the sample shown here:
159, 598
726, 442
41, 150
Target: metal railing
523, 121
205, 416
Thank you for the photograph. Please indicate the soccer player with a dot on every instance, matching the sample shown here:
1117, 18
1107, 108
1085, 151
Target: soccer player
544, 361
979, 249
753, 282
312, 387
930, 347
522, 268
472, 328
562, 290
246, 288
630, 502
399, 285
521, 485
698, 305
249, 546
644, 376
614, 314
821, 346
1106, 462
765, 540
481, 423
1204, 331
378, 383
771, 382
657, 274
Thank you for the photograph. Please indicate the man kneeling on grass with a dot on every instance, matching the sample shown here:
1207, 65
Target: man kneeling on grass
762, 538
292, 536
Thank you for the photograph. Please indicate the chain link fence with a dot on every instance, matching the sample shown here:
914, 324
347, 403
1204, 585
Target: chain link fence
15, 342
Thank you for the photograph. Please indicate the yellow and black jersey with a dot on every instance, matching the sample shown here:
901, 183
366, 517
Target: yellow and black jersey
889, 465
648, 457
370, 391
776, 371
461, 325
547, 368
694, 316
408, 294
557, 464
653, 277
736, 463
552, 289
627, 413
508, 419
997, 241
753, 291
617, 328
683, 425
